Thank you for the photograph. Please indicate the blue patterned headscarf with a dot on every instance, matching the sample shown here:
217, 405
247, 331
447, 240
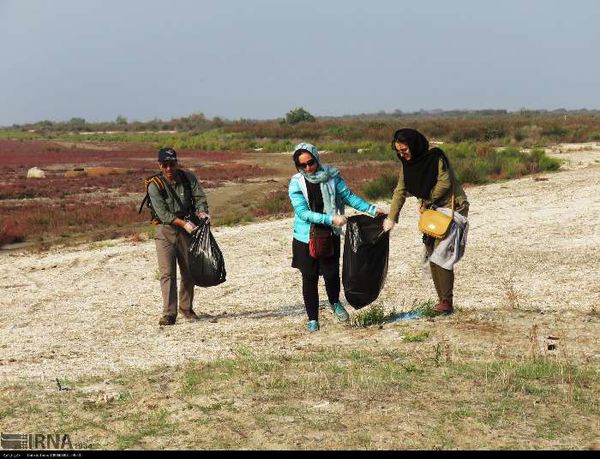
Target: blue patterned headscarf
322, 175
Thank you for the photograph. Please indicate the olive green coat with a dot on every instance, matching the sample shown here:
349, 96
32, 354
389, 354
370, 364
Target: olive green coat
441, 193
168, 209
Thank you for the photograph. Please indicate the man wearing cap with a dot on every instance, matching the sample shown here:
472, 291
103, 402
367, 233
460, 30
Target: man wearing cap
184, 196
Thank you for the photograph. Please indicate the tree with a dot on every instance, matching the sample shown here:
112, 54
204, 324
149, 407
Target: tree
298, 115
121, 120
77, 124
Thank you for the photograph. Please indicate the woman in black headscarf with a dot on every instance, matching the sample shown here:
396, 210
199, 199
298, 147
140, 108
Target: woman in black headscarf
426, 174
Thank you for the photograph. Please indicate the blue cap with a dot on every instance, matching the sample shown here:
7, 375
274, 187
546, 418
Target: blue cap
167, 154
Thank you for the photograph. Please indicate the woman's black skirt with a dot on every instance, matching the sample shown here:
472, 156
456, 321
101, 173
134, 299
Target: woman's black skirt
327, 267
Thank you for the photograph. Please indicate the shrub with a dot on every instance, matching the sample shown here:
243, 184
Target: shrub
278, 146
381, 187
275, 203
470, 164
10, 233
543, 162
298, 115
555, 132
469, 172
548, 164
477, 165
376, 152
512, 168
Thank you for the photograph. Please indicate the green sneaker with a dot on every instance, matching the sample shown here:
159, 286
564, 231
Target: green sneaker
339, 312
312, 326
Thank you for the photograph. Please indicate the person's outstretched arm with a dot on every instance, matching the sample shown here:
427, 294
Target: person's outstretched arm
352, 200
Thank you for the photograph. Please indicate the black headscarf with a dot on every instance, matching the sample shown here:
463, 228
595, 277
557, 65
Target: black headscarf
421, 171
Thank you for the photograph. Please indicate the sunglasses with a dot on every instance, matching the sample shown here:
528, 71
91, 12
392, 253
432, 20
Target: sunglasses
308, 163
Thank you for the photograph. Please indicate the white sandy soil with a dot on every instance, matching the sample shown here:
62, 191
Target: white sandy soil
94, 309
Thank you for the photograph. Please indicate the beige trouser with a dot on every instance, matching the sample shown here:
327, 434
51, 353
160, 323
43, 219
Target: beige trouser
172, 244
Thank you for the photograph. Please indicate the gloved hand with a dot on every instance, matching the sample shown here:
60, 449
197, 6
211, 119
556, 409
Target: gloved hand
189, 227
388, 224
203, 216
339, 220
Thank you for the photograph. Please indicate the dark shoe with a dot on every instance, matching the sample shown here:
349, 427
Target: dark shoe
167, 320
443, 307
189, 315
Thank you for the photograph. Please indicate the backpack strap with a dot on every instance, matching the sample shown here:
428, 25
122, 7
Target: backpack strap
158, 183
188, 187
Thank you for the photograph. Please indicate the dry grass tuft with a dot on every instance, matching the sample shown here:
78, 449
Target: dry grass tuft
511, 296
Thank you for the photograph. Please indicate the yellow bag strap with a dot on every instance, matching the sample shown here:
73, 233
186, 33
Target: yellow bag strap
157, 181
159, 184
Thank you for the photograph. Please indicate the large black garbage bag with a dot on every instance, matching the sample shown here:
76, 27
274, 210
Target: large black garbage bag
366, 253
207, 265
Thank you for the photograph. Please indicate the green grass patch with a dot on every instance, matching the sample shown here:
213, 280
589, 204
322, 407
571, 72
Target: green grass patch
145, 425
414, 337
371, 315
339, 398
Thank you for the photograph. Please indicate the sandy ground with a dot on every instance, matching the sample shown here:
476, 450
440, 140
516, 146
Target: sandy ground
94, 309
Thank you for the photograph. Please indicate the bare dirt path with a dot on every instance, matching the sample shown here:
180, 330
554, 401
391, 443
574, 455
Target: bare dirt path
531, 264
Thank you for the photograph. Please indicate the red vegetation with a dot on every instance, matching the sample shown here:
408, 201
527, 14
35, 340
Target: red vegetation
17, 157
29, 153
91, 201
41, 219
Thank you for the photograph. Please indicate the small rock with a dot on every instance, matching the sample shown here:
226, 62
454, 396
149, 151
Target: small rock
36, 172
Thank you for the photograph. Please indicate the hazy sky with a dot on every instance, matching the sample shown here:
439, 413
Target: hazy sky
145, 59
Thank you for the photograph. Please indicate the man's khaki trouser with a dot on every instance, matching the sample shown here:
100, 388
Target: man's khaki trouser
172, 244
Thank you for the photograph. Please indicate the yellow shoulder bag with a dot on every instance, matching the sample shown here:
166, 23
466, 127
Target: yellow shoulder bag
434, 223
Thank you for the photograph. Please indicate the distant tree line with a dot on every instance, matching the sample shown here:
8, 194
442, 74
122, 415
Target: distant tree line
343, 133
197, 122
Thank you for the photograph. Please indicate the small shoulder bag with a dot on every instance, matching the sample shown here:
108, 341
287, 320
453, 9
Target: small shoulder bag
435, 223
320, 243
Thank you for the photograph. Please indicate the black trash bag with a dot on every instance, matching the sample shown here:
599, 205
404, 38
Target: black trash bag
366, 253
207, 265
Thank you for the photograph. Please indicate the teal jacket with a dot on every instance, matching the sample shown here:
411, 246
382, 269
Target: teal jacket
303, 216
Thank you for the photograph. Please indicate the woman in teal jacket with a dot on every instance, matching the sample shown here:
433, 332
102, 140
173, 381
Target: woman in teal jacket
319, 195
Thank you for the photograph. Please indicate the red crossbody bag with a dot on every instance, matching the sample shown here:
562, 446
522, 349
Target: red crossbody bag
320, 243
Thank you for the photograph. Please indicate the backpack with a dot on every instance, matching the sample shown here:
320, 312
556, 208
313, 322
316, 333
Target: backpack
162, 188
